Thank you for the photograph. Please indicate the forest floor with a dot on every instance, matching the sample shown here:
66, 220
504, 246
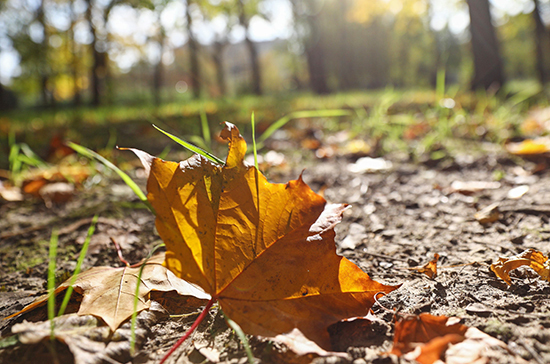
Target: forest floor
400, 218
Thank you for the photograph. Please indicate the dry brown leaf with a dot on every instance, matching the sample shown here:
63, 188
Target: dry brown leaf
265, 251
488, 214
88, 339
412, 330
530, 258
469, 188
108, 293
430, 269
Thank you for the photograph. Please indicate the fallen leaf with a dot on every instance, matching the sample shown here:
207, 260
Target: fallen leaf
88, 340
530, 258
429, 339
108, 293
529, 146
265, 251
368, 164
430, 269
356, 234
517, 192
410, 330
469, 188
10, 193
488, 214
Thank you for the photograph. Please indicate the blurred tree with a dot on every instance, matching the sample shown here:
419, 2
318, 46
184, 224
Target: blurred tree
223, 12
247, 9
193, 52
306, 21
542, 43
485, 48
75, 55
46, 87
97, 16
158, 73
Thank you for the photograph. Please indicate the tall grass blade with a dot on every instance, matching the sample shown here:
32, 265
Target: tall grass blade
129, 182
81, 257
51, 282
191, 147
205, 129
244, 340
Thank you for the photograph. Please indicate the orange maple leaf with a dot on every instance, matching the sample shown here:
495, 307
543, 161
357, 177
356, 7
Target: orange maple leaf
265, 251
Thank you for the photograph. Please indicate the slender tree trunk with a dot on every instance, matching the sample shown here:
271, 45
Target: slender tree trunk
252, 51
315, 54
346, 74
193, 53
485, 48
3, 99
44, 77
96, 59
217, 57
542, 42
159, 69
77, 95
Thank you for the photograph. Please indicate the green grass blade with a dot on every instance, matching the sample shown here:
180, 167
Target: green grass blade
81, 257
297, 115
191, 147
51, 282
205, 129
136, 299
244, 340
440, 84
129, 182
253, 122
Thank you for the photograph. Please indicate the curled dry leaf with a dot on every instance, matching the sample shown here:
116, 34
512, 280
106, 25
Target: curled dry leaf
412, 330
108, 293
488, 214
88, 340
430, 269
429, 339
530, 258
265, 251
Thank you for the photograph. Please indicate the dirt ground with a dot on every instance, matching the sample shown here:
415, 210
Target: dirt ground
399, 219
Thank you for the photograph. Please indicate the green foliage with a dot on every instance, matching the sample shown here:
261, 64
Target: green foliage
51, 282
81, 257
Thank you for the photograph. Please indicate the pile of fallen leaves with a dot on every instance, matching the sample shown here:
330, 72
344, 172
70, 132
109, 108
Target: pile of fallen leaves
266, 254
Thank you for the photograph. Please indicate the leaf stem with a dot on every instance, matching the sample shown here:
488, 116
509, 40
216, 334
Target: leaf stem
191, 329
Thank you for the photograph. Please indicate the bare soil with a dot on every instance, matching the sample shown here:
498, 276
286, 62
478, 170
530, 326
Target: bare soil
399, 219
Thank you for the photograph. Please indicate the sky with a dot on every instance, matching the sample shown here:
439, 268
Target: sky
139, 25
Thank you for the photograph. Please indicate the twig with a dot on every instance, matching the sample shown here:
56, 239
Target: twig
119, 252
191, 329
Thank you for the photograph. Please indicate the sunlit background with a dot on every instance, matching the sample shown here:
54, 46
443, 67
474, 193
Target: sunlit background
74, 52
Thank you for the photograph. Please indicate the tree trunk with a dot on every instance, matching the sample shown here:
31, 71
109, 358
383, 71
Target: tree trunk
96, 60
347, 77
252, 51
542, 43
77, 95
315, 55
193, 54
159, 69
485, 48
217, 57
44, 77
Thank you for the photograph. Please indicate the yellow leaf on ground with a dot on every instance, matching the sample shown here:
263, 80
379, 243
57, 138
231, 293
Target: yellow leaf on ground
531, 258
265, 251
